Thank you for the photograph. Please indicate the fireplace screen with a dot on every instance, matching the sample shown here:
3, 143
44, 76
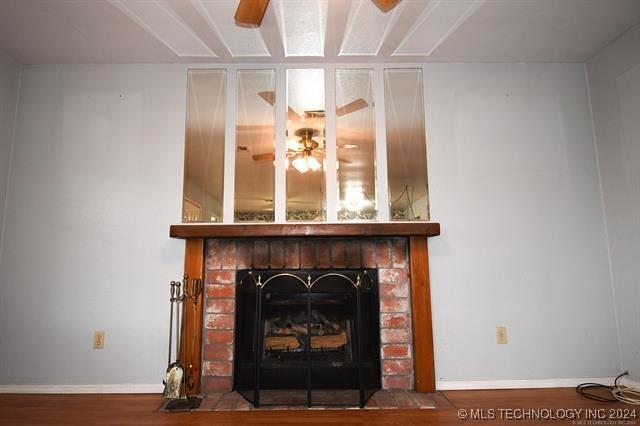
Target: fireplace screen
307, 337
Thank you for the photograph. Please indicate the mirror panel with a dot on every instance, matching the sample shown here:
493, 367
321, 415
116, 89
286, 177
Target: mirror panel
255, 146
204, 146
355, 135
305, 145
406, 145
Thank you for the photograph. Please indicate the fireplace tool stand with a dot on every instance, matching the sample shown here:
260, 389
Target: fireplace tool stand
178, 386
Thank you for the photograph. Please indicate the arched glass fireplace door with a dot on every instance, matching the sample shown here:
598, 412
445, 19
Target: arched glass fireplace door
307, 337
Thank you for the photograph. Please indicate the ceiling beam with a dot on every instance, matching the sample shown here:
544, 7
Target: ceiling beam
159, 20
438, 11
193, 12
473, 7
338, 15
411, 12
270, 32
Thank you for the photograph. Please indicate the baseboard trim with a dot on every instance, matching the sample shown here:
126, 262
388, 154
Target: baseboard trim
120, 388
630, 383
518, 384
440, 385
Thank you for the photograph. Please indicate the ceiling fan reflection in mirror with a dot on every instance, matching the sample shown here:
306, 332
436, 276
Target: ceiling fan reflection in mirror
353, 106
304, 154
250, 12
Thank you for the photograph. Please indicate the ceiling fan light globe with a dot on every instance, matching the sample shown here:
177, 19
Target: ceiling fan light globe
300, 164
313, 164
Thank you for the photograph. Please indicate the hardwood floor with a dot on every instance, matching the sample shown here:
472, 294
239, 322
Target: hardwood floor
142, 410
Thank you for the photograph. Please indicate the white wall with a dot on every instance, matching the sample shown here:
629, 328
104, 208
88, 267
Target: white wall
514, 183
97, 180
614, 79
95, 183
9, 86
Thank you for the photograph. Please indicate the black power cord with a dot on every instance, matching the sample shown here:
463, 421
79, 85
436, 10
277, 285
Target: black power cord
583, 389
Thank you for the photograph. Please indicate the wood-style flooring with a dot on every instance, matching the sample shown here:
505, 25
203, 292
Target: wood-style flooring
140, 409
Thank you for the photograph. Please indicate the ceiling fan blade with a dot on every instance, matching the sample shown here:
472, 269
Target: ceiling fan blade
254, 127
250, 13
348, 146
268, 96
319, 113
385, 5
266, 200
294, 145
269, 156
293, 115
354, 106
290, 201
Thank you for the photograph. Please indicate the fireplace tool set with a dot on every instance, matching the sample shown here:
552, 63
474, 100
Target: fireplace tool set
179, 382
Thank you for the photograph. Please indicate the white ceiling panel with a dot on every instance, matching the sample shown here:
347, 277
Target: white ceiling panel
538, 30
158, 19
439, 19
37, 32
299, 31
302, 26
239, 41
367, 28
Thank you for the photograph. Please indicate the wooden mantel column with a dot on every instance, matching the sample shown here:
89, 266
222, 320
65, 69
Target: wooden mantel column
191, 338
424, 366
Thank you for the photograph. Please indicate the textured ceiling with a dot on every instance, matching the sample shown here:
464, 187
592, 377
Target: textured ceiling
126, 31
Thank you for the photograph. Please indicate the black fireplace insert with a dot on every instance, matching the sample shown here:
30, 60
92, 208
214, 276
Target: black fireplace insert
307, 337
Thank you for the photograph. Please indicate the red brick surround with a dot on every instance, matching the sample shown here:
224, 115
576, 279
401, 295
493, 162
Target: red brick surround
223, 257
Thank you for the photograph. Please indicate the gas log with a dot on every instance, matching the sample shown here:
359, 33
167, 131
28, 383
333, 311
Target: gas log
281, 343
325, 334
331, 342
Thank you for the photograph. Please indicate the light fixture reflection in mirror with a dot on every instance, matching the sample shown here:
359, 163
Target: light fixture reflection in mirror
305, 161
355, 145
305, 145
354, 199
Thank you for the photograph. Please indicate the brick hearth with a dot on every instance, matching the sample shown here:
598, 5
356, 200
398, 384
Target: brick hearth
223, 257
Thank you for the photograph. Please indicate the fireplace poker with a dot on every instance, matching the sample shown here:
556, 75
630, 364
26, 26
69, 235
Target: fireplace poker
196, 290
171, 301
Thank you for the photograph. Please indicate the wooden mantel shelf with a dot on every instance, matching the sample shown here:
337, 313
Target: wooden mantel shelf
212, 230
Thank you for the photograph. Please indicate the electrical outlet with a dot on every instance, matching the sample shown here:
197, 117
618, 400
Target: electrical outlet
98, 340
501, 335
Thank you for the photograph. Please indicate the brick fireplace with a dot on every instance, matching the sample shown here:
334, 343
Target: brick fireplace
214, 253
223, 257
